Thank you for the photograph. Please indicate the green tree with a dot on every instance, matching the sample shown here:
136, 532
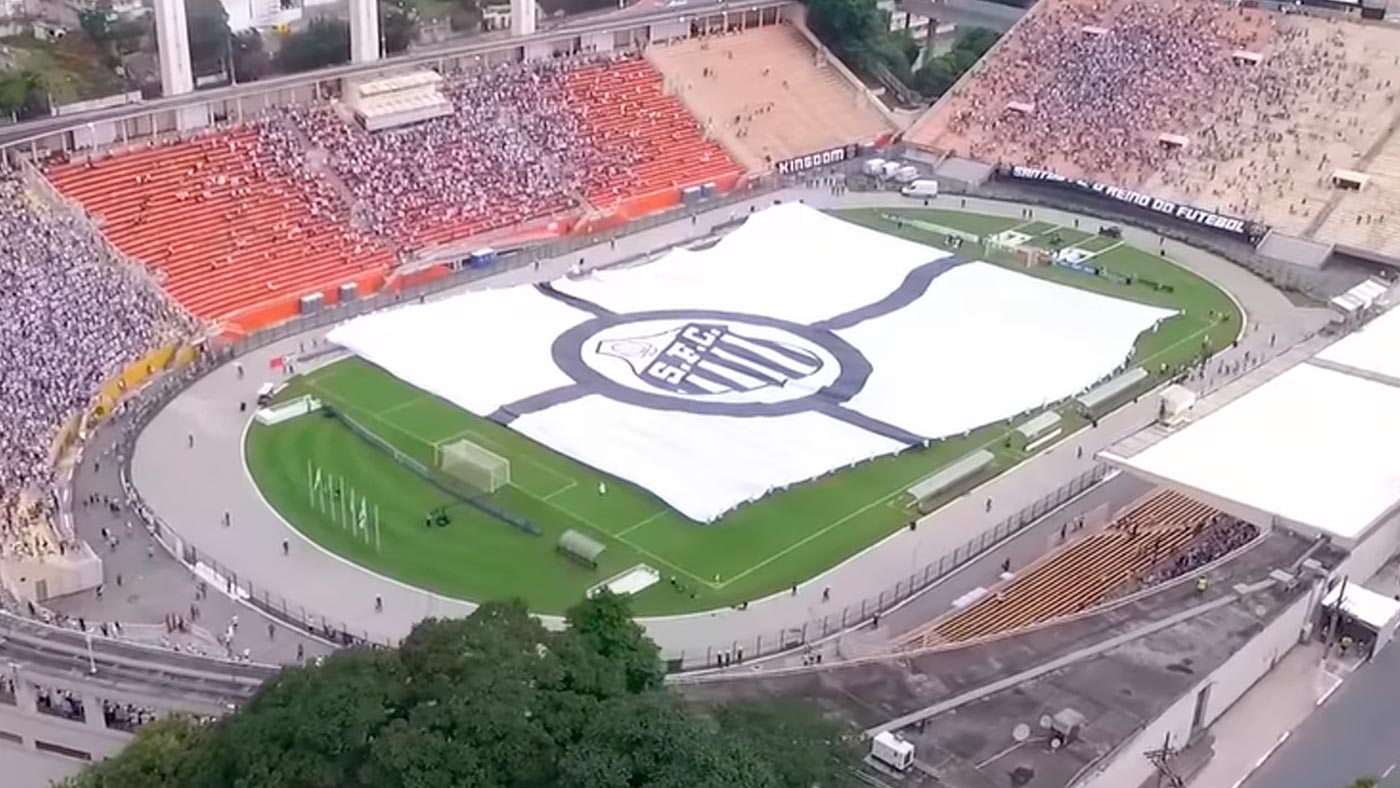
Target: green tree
113, 35
803, 748
250, 59
208, 35
605, 624
494, 700
324, 42
977, 40
23, 94
399, 25
96, 22
1365, 782
849, 27
154, 756
939, 74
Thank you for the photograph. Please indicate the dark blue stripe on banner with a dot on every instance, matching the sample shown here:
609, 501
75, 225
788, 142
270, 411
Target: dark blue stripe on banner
913, 287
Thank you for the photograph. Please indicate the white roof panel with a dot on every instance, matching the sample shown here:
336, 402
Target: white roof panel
1313, 446
1375, 348
1370, 608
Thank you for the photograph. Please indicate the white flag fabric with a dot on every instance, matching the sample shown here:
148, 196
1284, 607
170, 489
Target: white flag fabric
797, 345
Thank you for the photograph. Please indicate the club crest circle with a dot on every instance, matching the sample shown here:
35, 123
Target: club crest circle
711, 362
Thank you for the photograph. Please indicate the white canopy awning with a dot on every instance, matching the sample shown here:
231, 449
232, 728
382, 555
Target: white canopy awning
1366, 606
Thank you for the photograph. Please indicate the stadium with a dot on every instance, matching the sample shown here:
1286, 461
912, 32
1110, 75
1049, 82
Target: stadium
635, 303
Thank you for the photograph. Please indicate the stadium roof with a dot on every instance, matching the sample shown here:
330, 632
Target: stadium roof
1313, 447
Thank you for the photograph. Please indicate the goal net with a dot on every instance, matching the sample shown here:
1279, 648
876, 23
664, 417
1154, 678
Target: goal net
478, 467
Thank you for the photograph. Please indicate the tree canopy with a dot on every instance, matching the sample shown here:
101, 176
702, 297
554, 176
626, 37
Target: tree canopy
23, 94
324, 42
207, 23
858, 32
490, 701
939, 74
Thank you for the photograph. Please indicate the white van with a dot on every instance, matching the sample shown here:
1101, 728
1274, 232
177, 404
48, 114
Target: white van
907, 174
890, 168
873, 167
924, 187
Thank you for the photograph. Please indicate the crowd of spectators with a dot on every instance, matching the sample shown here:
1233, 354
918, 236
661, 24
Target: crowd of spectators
1215, 539
1214, 104
71, 317
59, 703
126, 716
1086, 87
518, 145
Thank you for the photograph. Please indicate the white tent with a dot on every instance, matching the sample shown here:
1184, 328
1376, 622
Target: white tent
1314, 446
1377, 612
1176, 400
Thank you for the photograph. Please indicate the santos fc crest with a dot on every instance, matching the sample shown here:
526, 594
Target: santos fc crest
706, 361
709, 358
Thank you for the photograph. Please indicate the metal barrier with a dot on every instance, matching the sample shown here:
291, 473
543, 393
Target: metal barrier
789, 638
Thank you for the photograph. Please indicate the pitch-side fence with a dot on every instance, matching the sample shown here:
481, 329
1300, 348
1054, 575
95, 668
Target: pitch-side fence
788, 638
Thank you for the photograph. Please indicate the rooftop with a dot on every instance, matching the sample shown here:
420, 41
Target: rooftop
1116, 688
1310, 446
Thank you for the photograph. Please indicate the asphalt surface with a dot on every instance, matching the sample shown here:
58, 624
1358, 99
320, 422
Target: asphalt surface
145, 584
1356, 733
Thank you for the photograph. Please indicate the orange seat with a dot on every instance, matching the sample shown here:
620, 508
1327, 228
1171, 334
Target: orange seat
225, 226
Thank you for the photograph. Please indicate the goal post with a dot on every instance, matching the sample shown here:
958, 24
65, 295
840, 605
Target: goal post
469, 462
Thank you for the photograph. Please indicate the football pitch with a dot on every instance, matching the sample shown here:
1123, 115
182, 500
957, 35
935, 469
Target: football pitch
757, 549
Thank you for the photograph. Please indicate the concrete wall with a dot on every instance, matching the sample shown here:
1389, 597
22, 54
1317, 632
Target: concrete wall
40, 579
172, 41
672, 29
1126, 766
598, 42
1371, 553
364, 31
52, 736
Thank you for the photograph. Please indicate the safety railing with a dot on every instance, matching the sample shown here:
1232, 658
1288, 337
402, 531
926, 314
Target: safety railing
789, 638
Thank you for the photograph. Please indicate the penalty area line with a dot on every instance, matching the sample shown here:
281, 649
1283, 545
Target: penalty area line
629, 529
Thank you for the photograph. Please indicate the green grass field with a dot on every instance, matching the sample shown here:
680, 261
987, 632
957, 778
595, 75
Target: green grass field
755, 550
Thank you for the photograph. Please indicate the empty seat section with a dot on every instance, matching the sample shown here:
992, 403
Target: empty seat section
766, 94
1079, 575
626, 108
223, 219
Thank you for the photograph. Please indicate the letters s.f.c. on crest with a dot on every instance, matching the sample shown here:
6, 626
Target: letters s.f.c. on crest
709, 358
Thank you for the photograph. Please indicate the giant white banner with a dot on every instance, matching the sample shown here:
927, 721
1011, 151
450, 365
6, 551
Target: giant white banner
797, 345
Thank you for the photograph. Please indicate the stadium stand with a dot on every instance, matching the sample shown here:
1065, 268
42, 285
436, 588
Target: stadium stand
1369, 218
239, 217
525, 141
71, 316
229, 219
766, 94
1269, 106
662, 149
1166, 532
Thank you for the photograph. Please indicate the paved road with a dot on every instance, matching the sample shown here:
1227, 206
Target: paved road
1354, 734
143, 583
